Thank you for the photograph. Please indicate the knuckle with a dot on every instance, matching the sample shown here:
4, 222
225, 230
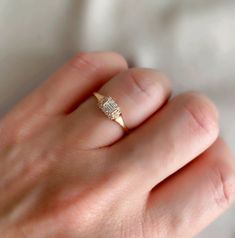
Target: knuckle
85, 60
202, 111
118, 58
223, 185
148, 81
97, 60
4, 136
11, 133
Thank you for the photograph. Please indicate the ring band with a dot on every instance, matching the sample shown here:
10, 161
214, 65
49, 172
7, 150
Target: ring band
111, 109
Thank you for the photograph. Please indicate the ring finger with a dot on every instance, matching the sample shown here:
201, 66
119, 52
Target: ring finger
138, 92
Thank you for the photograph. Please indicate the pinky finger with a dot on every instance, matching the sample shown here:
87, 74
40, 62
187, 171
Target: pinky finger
192, 198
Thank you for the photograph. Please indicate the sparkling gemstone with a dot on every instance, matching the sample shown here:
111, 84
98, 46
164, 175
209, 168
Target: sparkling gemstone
110, 108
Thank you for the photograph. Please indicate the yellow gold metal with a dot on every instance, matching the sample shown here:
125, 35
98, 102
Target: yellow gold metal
98, 96
120, 121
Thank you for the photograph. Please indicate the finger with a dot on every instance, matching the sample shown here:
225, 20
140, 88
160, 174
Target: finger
77, 79
138, 92
192, 198
174, 136
65, 90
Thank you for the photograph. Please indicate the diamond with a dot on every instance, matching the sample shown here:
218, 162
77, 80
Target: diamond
109, 108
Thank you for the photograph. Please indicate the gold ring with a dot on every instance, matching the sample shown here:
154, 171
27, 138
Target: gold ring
111, 109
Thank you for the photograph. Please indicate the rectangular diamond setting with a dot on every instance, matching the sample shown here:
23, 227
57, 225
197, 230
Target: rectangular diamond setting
109, 108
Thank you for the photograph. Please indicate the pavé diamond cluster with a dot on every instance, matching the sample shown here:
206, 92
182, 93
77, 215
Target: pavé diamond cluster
110, 108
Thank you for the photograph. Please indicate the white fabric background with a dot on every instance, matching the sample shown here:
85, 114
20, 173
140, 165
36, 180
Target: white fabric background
193, 41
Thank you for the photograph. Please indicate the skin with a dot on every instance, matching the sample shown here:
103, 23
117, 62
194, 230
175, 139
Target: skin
68, 171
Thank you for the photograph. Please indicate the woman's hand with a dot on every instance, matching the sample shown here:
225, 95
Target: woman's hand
68, 171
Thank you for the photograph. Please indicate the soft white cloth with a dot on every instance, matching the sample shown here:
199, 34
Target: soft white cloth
192, 41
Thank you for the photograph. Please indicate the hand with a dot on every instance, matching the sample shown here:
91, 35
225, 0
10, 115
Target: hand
66, 170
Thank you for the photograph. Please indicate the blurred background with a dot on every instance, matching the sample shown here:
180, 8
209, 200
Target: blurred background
193, 41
